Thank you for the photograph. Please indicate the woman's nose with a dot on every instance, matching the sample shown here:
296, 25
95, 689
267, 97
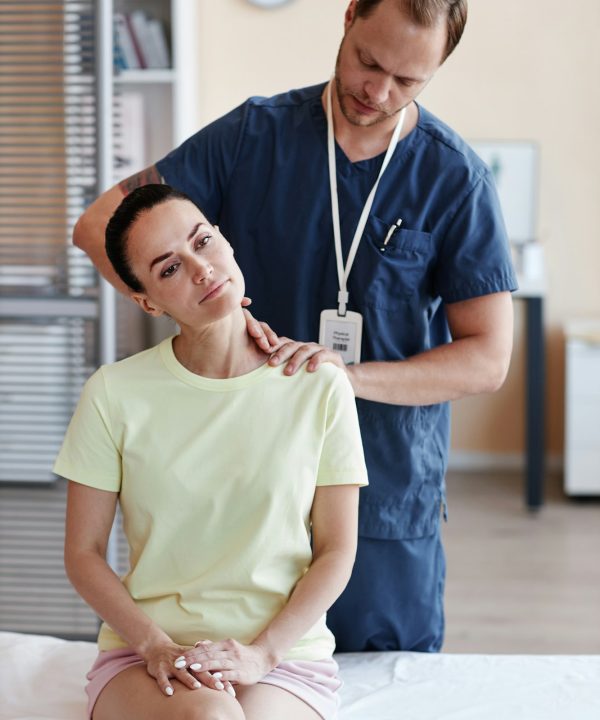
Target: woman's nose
202, 270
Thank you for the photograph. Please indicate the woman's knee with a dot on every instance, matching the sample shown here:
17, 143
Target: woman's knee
221, 708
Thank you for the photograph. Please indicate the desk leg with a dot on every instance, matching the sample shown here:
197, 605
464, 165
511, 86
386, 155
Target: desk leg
536, 377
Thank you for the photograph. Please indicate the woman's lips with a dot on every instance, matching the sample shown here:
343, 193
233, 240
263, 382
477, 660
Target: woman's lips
214, 290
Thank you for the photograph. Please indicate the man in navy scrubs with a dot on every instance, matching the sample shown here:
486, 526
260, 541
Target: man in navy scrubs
420, 260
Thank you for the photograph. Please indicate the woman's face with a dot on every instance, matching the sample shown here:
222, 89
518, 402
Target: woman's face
185, 265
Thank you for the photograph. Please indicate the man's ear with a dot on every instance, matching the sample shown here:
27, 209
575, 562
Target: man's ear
349, 15
147, 305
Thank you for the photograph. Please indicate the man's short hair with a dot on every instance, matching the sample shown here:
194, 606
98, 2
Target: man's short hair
426, 13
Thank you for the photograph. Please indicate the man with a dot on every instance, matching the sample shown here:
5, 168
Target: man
430, 282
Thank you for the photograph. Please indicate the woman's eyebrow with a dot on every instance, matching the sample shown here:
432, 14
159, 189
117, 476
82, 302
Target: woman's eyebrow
160, 258
194, 231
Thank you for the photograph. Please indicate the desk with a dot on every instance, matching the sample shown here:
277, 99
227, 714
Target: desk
533, 293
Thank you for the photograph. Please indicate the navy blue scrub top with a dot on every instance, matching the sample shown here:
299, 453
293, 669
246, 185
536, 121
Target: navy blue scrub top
261, 174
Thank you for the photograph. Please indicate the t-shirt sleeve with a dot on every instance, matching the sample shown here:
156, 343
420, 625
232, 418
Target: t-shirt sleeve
202, 165
342, 459
89, 454
474, 257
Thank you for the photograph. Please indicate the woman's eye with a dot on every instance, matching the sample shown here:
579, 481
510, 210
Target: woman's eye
167, 272
202, 241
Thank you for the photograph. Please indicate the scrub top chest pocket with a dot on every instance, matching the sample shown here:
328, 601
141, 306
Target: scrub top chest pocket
395, 272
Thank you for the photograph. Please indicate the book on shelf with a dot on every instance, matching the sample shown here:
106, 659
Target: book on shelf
129, 154
140, 42
124, 47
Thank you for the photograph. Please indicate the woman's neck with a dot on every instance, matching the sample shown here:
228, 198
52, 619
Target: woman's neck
221, 350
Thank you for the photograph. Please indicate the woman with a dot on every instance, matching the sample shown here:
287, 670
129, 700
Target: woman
225, 470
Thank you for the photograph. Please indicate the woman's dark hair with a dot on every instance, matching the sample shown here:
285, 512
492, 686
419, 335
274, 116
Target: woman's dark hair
426, 13
132, 206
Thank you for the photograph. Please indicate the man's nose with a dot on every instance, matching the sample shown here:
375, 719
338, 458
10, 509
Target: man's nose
378, 89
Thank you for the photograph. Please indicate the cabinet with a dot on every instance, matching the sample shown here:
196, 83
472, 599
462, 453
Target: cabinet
582, 409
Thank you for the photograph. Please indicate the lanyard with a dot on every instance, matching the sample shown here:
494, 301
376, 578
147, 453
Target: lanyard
343, 273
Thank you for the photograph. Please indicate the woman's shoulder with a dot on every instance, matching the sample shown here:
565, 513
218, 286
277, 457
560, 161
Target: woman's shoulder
328, 379
128, 371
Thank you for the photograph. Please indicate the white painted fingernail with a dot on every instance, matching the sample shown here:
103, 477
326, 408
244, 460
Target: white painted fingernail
169, 690
219, 685
217, 675
231, 691
197, 684
180, 663
195, 666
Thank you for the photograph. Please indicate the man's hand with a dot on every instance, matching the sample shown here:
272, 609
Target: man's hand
283, 349
297, 353
265, 338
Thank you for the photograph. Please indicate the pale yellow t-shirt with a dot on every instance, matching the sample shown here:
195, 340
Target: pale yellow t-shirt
216, 480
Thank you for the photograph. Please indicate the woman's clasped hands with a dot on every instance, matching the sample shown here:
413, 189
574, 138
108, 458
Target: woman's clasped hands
170, 660
227, 661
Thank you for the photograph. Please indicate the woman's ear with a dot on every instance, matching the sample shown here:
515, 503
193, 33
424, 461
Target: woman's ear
147, 305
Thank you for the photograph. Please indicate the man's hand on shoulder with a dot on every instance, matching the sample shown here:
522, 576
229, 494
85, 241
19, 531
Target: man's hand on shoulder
295, 354
285, 350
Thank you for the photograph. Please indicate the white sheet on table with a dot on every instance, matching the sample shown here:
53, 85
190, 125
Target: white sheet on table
42, 678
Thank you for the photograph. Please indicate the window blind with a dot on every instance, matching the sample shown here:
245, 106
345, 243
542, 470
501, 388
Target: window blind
47, 177
48, 296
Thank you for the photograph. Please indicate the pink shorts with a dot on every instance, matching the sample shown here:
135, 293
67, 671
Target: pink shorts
314, 681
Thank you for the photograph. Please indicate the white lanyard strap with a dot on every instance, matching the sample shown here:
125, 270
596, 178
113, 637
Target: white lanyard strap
343, 273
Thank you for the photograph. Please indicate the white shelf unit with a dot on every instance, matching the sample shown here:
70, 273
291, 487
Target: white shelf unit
165, 115
582, 409
170, 96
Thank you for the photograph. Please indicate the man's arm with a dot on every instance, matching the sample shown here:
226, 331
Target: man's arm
88, 234
476, 361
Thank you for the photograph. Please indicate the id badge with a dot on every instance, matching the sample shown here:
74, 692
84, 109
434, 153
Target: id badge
342, 333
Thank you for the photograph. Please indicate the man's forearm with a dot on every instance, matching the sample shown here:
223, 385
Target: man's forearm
88, 234
464, 367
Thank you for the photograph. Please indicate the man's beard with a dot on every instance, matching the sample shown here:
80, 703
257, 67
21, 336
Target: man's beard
353, 117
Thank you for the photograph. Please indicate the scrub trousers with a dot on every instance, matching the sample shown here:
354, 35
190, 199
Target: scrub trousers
395, 597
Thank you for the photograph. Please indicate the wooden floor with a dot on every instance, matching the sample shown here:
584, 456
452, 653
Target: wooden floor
519, 582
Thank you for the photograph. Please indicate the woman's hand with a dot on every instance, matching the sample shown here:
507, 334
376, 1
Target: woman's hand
167, 660
233, 662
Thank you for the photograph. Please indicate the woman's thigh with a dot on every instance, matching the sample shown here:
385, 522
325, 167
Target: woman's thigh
134, 695
268, 702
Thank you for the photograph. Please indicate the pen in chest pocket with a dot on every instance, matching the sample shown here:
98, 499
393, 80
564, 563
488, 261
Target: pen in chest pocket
390, 232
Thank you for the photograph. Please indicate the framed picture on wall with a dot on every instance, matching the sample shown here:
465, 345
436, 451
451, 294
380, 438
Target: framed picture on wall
514, 164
